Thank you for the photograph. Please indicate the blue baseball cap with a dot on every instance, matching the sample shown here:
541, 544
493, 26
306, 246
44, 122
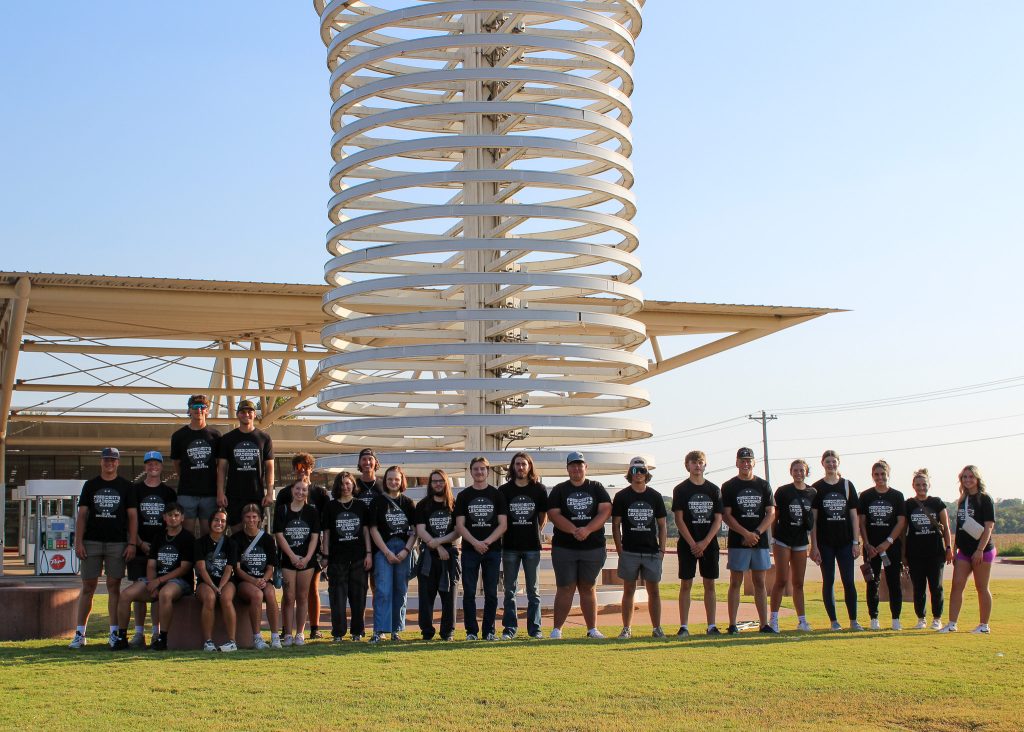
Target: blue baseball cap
574, 457
153, 455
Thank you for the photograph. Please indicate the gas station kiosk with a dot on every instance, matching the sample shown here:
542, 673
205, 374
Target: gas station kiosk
50, 527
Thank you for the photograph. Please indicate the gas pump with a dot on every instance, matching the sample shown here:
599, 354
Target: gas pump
56, 553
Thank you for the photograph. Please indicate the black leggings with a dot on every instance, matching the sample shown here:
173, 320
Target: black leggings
926, 573
830, 557
892, 582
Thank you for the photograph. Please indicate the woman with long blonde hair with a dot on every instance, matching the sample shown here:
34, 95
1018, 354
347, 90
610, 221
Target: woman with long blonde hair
975, 551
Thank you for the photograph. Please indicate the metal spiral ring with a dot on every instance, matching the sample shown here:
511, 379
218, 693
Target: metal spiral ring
482, 269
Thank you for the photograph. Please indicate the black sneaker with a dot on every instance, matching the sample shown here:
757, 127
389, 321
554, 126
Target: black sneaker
769, 629
683, 632
733, 630
713, 630
159, 644
315, 634
121, 644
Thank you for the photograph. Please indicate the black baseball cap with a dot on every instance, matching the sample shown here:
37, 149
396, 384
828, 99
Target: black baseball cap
744, 453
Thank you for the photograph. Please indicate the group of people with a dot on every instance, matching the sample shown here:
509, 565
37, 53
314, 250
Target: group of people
209, 537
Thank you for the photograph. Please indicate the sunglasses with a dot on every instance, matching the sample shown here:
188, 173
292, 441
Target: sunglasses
197, 406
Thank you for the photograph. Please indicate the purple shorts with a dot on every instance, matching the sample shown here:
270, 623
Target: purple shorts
989, 556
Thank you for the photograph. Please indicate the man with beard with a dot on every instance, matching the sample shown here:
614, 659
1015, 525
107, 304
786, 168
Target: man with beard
527, 500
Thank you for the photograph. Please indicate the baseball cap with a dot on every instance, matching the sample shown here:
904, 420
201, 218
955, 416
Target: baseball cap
574, 457
367, 451
198, 399
245, 404
111, 452
639, 462
153, 455
744, 453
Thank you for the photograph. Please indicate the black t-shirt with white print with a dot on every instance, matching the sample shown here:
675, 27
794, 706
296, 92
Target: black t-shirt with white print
749, 501
699, 504
216, 562
246, 453
344, 526
108, 502
435, 517
639, 513
298, 529
481, 509
578, 504
882, 511
263, 554
369, 490
393, 517
981, 509
924, 527
833, 502
197, 452
151, 502
170, 552
525, 506
793, 513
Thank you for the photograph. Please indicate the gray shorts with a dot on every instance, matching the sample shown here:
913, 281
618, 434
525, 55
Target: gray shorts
743, 558
573, 566
198, 506
108, 555
634, 566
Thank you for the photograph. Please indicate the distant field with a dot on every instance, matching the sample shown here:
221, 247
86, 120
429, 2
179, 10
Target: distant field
1005, 541
914, 680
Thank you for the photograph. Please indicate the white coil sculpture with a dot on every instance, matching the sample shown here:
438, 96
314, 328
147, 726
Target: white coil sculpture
482, 271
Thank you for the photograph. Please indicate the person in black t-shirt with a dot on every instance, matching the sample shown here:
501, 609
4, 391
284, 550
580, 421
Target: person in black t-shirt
106, 536
194, 452
303, 464
640, 532
151, 495
245, 465
527, 500
392, 528
834, 539
168, 577
748, 508
438, 570
481, 518
346, 544
697, 509
297, 530
882, 519
578, 509
791, 537
254, 574
975, 551
215, 563
927, 548
368, 485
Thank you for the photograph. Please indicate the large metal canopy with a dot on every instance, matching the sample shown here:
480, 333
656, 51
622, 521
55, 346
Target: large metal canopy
89, 360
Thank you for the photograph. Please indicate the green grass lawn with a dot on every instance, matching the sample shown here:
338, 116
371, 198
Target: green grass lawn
911, 680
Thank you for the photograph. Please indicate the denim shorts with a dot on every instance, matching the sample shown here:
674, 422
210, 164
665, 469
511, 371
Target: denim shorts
742, 558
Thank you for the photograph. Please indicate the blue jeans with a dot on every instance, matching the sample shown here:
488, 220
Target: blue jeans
843, 556
472, 563
530, 561
391, 589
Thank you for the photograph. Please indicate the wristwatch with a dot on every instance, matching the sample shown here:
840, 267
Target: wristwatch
857, 542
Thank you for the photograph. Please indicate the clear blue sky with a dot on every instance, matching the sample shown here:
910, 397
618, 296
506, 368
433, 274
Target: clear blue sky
866, 156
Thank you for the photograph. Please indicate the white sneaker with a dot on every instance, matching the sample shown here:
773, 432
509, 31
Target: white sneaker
79, 641
836, 625
138, 642
626, 634
983, 628
936, 624
595, 634
774, 624
658, 633
875, 625
805, 627
288, 641
258, 644
209, 646
921, 624
112, 639
229, 647
275, 643
948, 628
896, 624
556, 634
299, 640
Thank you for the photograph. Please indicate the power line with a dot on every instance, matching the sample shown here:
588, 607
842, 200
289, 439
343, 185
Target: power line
893, 432
920, 447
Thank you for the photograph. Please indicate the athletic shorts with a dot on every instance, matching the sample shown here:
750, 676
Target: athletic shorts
688, 563
200, 507
635, 565
573, 566
803, 548
988, 557
108, 555
743, 558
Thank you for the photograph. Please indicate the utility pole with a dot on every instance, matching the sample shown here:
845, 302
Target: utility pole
764, 418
